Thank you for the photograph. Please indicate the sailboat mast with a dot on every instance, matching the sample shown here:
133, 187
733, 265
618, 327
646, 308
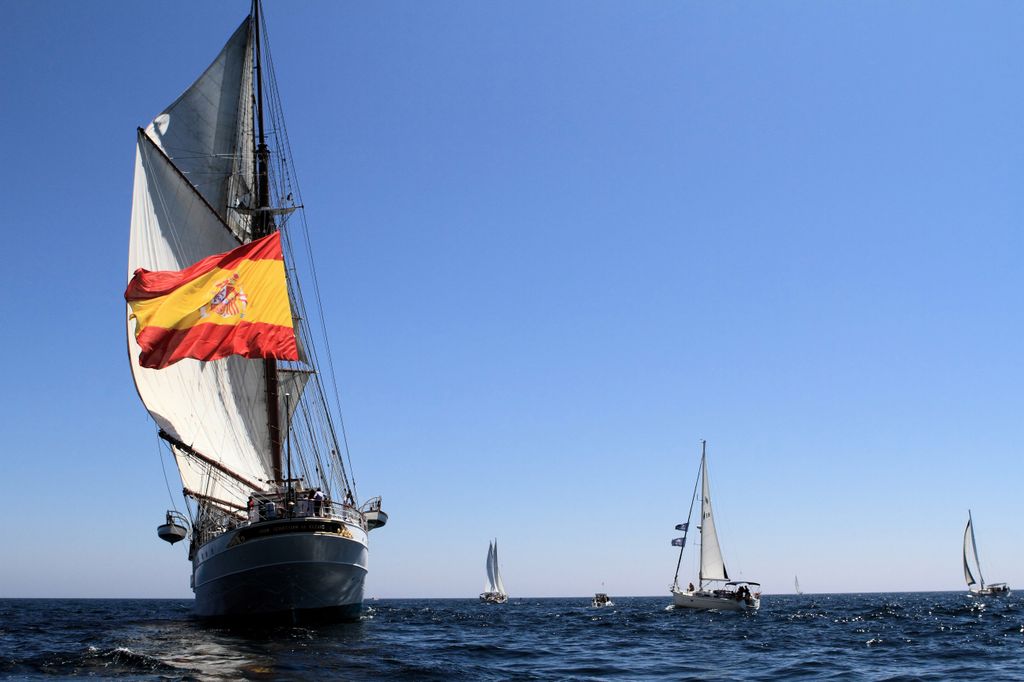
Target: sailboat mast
703, 475
264, 225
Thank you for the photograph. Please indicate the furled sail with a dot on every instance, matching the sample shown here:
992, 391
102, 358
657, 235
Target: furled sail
712, 566
192, 162
968, 548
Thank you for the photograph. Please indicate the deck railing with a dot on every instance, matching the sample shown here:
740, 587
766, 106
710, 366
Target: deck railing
273, 510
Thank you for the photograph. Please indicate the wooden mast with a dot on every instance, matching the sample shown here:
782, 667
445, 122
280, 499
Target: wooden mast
264, 225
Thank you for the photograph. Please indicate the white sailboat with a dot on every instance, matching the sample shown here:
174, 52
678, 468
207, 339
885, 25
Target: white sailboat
494, 590
731, 595
978, 588
272, 518
796, 585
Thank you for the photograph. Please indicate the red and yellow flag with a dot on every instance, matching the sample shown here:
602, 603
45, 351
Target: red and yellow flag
233, 303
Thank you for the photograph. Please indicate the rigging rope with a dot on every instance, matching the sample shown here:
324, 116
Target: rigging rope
285, 180
160, 456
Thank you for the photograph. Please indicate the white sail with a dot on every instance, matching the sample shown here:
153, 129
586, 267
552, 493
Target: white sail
971, 549
796, 584
291, 382
207, 131
217, 408
498, 584
490, 569
968, 549
712, 565
191, 162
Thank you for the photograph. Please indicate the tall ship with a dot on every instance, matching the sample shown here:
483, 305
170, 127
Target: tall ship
494, 589
714, 589
230, 362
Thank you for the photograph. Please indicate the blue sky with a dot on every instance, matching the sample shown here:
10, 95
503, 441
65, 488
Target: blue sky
560, 243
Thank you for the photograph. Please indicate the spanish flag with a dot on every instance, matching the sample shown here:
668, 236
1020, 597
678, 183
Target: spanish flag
233, 303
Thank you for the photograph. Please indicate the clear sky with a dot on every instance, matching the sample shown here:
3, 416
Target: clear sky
560, 242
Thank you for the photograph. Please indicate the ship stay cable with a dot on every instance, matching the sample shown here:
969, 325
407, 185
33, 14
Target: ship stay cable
686, 534
163, 469
288, 184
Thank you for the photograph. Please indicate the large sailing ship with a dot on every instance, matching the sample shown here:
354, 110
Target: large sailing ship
272, 517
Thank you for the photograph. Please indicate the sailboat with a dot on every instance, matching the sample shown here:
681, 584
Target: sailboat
272, 517
731, 595
494, 590
796, 585
978, 588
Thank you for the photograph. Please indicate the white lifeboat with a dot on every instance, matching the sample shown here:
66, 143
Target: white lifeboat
175, 529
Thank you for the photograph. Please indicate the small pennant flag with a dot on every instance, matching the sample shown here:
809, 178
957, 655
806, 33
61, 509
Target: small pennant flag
678, 542
683, 526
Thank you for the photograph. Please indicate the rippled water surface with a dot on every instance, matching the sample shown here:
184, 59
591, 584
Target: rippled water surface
872, 636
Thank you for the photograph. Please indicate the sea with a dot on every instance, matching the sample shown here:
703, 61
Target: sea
900, 636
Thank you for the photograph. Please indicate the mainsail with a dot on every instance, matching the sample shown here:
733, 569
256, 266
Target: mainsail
498, 584
490, 569
193, 197
970, 549
712, 565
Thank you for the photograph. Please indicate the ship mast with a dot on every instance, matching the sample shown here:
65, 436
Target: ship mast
264, 225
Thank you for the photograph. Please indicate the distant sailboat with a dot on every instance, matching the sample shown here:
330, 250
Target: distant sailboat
978, 588
796, 584
733, 595
494, 591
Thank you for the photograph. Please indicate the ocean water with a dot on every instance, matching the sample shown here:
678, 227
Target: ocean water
906, 636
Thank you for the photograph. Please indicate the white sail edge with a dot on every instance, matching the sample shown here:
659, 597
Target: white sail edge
498, 584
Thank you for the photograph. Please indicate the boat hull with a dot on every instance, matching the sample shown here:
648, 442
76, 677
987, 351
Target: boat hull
494, 598
706, 601
996, 591
282, 570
